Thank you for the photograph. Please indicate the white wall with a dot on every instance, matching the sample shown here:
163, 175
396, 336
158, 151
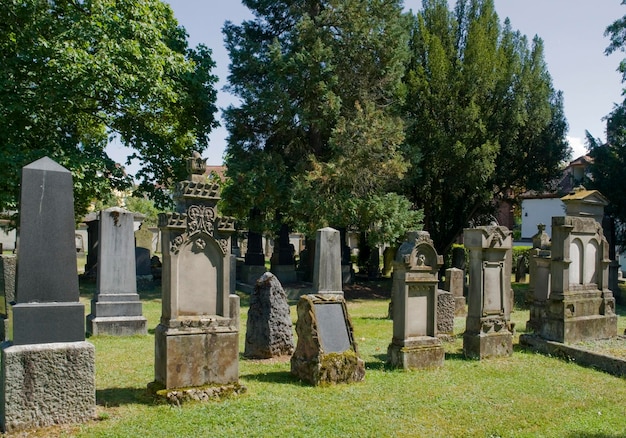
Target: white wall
540, 211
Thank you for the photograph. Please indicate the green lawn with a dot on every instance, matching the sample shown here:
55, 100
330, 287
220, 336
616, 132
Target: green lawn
526, 395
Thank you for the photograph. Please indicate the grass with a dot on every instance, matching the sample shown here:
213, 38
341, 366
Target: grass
525, 395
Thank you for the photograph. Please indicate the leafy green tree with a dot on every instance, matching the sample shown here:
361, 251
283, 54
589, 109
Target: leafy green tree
73, 74
483, 120
316, 138
609, 159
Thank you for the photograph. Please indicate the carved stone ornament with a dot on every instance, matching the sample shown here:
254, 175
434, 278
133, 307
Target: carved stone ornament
200, 219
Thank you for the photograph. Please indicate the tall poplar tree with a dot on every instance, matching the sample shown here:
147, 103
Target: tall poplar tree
483, 120
317, 134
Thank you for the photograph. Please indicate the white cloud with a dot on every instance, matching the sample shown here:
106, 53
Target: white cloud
578, 147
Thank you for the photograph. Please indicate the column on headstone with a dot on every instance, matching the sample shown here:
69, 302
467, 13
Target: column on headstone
327, 266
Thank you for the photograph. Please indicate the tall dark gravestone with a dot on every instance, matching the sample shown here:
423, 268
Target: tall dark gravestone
48, 372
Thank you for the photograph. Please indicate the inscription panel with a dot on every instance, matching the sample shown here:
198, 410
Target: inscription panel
332, 327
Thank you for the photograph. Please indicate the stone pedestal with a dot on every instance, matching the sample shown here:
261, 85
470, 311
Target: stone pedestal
116, 308
251, 273
47, 384
415, 278
326, 352
285, 273
197, 340
487, 331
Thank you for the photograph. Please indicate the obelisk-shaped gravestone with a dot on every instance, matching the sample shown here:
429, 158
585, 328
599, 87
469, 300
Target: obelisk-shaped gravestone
47, 308
327, 267
116, 308
48, 372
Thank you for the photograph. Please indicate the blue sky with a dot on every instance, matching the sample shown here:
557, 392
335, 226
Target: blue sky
574, 43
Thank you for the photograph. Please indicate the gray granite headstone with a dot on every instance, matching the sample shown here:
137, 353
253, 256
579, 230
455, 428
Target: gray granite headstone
47, 309
116, 307
327, 266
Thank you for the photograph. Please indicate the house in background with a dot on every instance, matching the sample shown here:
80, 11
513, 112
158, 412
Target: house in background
539, 208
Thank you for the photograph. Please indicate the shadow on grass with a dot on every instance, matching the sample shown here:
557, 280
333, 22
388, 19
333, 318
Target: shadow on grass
593, 435
284, 377
114, 397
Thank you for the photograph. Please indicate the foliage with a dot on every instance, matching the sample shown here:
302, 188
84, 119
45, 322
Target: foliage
317, 135
75, 74
609, 159
483, 120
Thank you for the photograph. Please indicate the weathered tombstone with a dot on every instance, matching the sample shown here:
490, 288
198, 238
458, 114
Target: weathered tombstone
415, 343
269, 329
283, 263
487, 331
93, 229
326, 352
197, 340
327, 264
8, 264
143, 249
254, 261
580, 305
539, 283
48, 372
455, 283
445, 314
116, 307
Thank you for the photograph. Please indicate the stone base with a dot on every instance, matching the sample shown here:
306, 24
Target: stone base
47, 384
251, 273
584, 328
41, 323
285, 273
117, 325
416, 353
197, 356
201, 394
487, 345
328, 369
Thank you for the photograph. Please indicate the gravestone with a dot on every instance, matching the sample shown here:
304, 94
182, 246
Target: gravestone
8, 265
269, 329
455, 284
48, 372
445, 314
487, 329
326, 352
580, 305
415, 343
197, 340
327, 264
116, 308
283, 263
143, 248
93, 230
539, 265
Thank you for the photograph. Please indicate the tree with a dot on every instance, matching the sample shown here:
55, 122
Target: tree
483, 120
73, 74
316, 137
609, 159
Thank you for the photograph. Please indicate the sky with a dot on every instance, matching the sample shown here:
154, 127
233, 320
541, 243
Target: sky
572, 32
